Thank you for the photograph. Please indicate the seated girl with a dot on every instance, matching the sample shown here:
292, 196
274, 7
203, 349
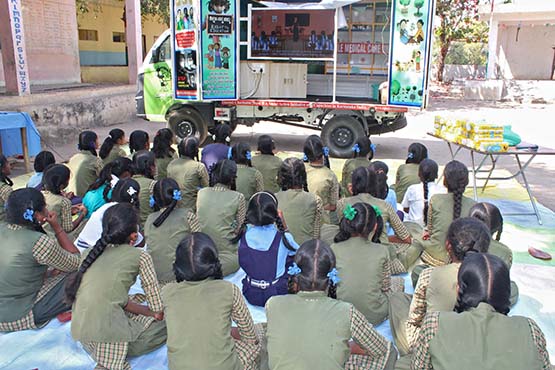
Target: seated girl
363, 152
218, 150
42, 161
31, 285
384, 191
163, 152
166, 227
267, 163
5, 185
199, 308
264, 250
112, 147
144, 165
312, 319
249, 179
407, 174
85, 166
363, 263
139, 140
109, 323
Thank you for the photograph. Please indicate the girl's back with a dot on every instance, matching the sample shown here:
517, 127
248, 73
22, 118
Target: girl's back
191, 176
301, 212
162, 166
85, 168
249, 181
322, 182
212, 153
407, 175
268, 165
414, 201
348, 168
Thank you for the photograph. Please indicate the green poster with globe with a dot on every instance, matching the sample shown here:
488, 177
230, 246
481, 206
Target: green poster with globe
410, 50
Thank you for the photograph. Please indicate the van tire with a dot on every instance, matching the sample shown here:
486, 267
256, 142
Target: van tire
187, 122
340, 134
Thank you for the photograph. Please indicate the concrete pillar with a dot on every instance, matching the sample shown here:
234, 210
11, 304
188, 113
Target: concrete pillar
133, 36
492, 49
14, 55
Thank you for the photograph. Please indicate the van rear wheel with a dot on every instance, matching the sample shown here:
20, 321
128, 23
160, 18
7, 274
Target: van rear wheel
340, 134
188, 122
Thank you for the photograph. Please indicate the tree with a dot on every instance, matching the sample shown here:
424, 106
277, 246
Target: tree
156, 8
458, 22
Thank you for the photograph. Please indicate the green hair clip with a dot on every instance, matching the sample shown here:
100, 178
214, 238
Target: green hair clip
377, 210
350, 212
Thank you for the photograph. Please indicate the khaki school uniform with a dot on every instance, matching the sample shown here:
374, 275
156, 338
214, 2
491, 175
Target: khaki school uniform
162, 166
249, 181
221, 212
269, 166
85, 168
448, 340
407, 175
162, 241
99, 320
323, 182
309, 330
116, 152
365, 271
26, 256
198, 316
61, 206
146, 189
191, 177
302, 212
348, 168
5, 191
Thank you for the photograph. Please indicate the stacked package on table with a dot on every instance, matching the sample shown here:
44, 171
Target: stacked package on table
480, 136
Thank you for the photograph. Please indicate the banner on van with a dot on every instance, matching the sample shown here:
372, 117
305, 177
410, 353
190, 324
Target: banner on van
184, 23
219, 49
410, 51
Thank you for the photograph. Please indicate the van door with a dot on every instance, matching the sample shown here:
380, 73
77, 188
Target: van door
158, 92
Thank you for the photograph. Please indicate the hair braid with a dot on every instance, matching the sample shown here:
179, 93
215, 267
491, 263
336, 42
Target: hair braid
426, 194
281, 228
457, 202
332, 290
498, 236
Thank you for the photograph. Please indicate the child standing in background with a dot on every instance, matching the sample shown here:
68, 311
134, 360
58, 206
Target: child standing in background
112, 147
249, 179
363, 152
407, 174
85, 166
163, 151
190, 174
144, 165
267, 163
42, 161
5, 184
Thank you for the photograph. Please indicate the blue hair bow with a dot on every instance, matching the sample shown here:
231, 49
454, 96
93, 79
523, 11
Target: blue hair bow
332, 275
151, 201
177, 195
28, 214
410, 155
294, 269
229, 153
248, 155
305, 158
373, 147
356, 148
326, 151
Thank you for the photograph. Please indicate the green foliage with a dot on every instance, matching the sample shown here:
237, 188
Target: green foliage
158, 9
467, 53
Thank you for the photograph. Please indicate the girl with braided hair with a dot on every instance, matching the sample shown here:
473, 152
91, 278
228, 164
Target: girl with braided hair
442, 210
407, 174
190, 174
30, 294
302, 210
165, 228
321, 179
199, 308
85, 166
249, 179
144, 165
5, 184
312, 319
163, 151
265, 249
267, 162
112, 147
363, 263
482, 305
109, 323
139, 140
221, 213
363, 152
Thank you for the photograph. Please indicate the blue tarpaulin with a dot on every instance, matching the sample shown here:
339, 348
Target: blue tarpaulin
10, 132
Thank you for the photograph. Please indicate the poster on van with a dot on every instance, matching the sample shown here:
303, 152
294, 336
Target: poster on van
291, 33
410, 51
185, 69
219, 49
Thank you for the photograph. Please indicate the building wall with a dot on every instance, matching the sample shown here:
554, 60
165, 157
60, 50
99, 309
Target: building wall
51, 39
529, 58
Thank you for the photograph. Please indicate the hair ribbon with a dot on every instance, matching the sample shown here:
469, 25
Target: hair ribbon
151, 201
349, 212
28, 214
294, 269
377, 210
333, 276
326, 151
176, 195
356, 148
229, 153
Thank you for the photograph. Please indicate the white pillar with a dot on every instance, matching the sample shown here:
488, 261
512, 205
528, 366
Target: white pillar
133, 37
492, 48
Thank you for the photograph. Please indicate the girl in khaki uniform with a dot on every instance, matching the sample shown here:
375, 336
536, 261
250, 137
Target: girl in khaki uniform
436, 288
199, 309
5, 185
267, 163
163, 151
407, 174
112, 147
110, 324
139, 140
166, 227
56, 178
313, 319
321, 179
190, 174
144, 164
363, 263
482, 307
249, 179
221, 212
363, 152
302, 209
85, 166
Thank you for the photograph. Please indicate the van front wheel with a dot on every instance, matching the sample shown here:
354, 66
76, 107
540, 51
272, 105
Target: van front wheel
188, 122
